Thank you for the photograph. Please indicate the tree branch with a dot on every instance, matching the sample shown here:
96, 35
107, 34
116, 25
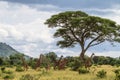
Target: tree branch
78, 40
96, 43
92, 42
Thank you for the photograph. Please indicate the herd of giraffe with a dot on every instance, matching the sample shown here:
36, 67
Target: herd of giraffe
58, 64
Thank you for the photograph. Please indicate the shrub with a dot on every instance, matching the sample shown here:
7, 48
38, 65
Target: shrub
101, 74
117, 77
76, 64
19, 69
33, 66
117, 65
8, 72
2, 69
10, 76
83, 71
95, 64
28, 77
9, 66
117, 72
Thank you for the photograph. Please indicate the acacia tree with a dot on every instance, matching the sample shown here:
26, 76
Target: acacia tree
77, 27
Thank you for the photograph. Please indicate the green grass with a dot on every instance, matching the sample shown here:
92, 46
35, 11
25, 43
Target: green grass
65, 74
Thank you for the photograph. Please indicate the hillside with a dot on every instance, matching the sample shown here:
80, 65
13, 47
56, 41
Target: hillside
6, 50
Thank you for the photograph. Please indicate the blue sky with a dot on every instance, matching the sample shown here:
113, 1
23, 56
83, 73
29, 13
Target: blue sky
22, 24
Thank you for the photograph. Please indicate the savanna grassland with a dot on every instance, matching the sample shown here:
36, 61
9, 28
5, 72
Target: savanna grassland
42, 74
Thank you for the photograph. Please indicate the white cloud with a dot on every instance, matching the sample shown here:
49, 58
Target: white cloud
66, 52
3, 33
36, 31
9, 31
112, 13
109, 53
44, 7
23, 27
14, 14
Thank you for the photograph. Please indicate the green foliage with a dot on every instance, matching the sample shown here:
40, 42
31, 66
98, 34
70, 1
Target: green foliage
2, 69
8, 72
15, 59
19, 69
117, 71
28, 77
51, 56
83, 71
101, 74
1, 61
102, 60
6, 61
70, 61
32, 64
8, 76
76, 64
117, 74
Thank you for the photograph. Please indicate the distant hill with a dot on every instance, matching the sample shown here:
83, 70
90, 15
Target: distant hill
6, 50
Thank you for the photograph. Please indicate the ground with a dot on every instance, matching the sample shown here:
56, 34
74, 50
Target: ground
66, 74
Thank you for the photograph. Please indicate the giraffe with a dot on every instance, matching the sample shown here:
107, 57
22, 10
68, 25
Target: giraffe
60, 59
25, 65
88, 62
42, 59
62, 64
57, 62
47, 67
46, 63
39, 61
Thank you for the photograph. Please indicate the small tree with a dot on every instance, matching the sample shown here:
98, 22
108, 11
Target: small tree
15, 59
101, 74
77, 27
1, 61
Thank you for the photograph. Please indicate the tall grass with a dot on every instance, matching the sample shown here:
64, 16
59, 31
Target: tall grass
65, 74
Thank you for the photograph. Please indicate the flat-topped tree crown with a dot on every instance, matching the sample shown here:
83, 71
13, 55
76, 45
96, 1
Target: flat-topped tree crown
77, 27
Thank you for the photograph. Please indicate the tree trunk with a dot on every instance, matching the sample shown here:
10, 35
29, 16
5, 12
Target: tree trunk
82, 56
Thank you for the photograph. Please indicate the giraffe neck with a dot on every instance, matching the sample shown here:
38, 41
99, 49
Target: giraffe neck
91, 56
60, 59
23, 60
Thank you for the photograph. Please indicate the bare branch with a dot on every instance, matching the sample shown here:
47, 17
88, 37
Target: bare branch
96, 43
78, 40
92, 42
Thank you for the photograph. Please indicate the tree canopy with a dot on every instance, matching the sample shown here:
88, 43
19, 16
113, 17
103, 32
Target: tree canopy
77, 27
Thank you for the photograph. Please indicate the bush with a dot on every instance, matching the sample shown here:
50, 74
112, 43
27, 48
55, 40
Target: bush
6, 77
8, 72
19, 69
117, 65
101, 74
2, 69
76, 64
83, 71
28, 77
117, 72
32, 66
117, 77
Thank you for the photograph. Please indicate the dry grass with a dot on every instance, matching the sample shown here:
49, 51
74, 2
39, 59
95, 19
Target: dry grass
66, 74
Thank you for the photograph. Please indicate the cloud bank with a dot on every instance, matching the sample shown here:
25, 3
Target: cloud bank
23, 27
